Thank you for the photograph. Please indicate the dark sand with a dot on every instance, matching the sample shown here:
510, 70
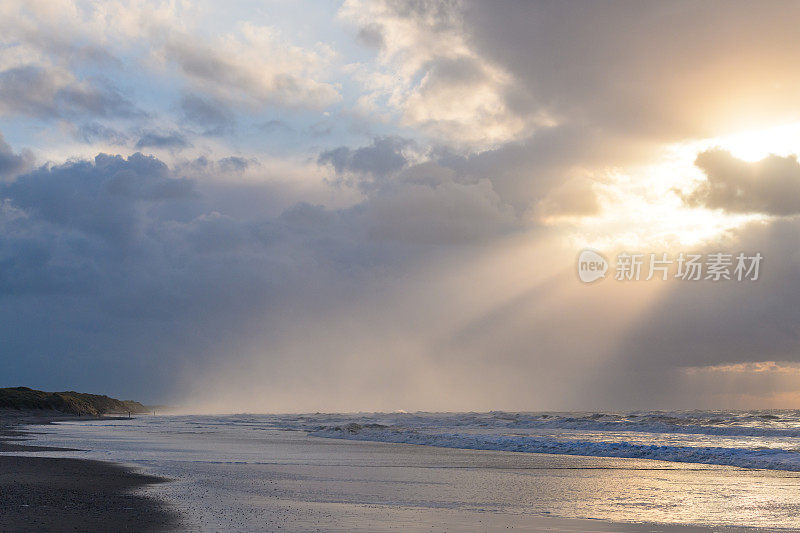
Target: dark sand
57, 494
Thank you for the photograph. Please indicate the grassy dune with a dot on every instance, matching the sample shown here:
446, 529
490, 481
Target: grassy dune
78, 403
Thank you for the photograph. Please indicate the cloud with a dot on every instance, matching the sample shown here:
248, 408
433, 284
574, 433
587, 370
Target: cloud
35, 91
252, 66
94, 131
708, 326
151, 53
125, 267
769, 186
275, 126
554, 162
234, 164
67, 34
393, 264
11, 163
575, 197
131, 267
98, 197
539, 175
606, 74
382, 158
433, 77
411, 198
217, 170
171, 140
476, 77
214, 117
371, 34
442, 212
464, 99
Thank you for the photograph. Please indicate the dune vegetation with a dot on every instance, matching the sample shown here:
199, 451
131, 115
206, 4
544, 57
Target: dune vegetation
78, 403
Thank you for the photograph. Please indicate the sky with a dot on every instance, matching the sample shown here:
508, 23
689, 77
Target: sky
287, 206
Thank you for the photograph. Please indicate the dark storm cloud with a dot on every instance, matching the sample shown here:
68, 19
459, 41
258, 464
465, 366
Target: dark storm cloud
625, 65
705, 323
127, 269
98, 197
133, 272
39, 92
173, 140
769, 186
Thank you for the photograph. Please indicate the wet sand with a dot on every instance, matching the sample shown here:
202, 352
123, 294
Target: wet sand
60, 494
287, 481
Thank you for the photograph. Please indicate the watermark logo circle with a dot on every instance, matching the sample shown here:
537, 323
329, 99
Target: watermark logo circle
592, 266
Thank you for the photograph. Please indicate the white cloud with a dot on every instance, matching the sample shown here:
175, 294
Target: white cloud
430, 75
250, 64
253, 65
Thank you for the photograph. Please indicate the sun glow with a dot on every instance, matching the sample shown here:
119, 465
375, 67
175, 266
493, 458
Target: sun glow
642, 207
756, 144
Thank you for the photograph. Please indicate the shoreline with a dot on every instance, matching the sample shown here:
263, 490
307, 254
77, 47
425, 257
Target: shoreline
304, 483
68, 494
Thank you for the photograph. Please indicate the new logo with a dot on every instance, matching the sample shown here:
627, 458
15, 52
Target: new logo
591, 266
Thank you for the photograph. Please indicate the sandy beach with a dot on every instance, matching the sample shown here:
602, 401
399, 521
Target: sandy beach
288, 481
65, 494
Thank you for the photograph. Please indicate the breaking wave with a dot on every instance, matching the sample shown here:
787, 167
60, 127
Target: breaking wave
759, 439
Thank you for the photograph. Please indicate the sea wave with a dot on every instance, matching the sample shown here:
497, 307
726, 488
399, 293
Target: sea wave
713, 423
766, 458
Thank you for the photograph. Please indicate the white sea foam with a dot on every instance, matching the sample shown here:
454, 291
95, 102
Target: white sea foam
756, 439
761, 439
774, 459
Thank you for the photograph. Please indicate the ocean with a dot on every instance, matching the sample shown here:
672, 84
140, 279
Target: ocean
709, 468
753, 439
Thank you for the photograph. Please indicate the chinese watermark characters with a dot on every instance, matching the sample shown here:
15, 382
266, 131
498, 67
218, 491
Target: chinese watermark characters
719, 266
